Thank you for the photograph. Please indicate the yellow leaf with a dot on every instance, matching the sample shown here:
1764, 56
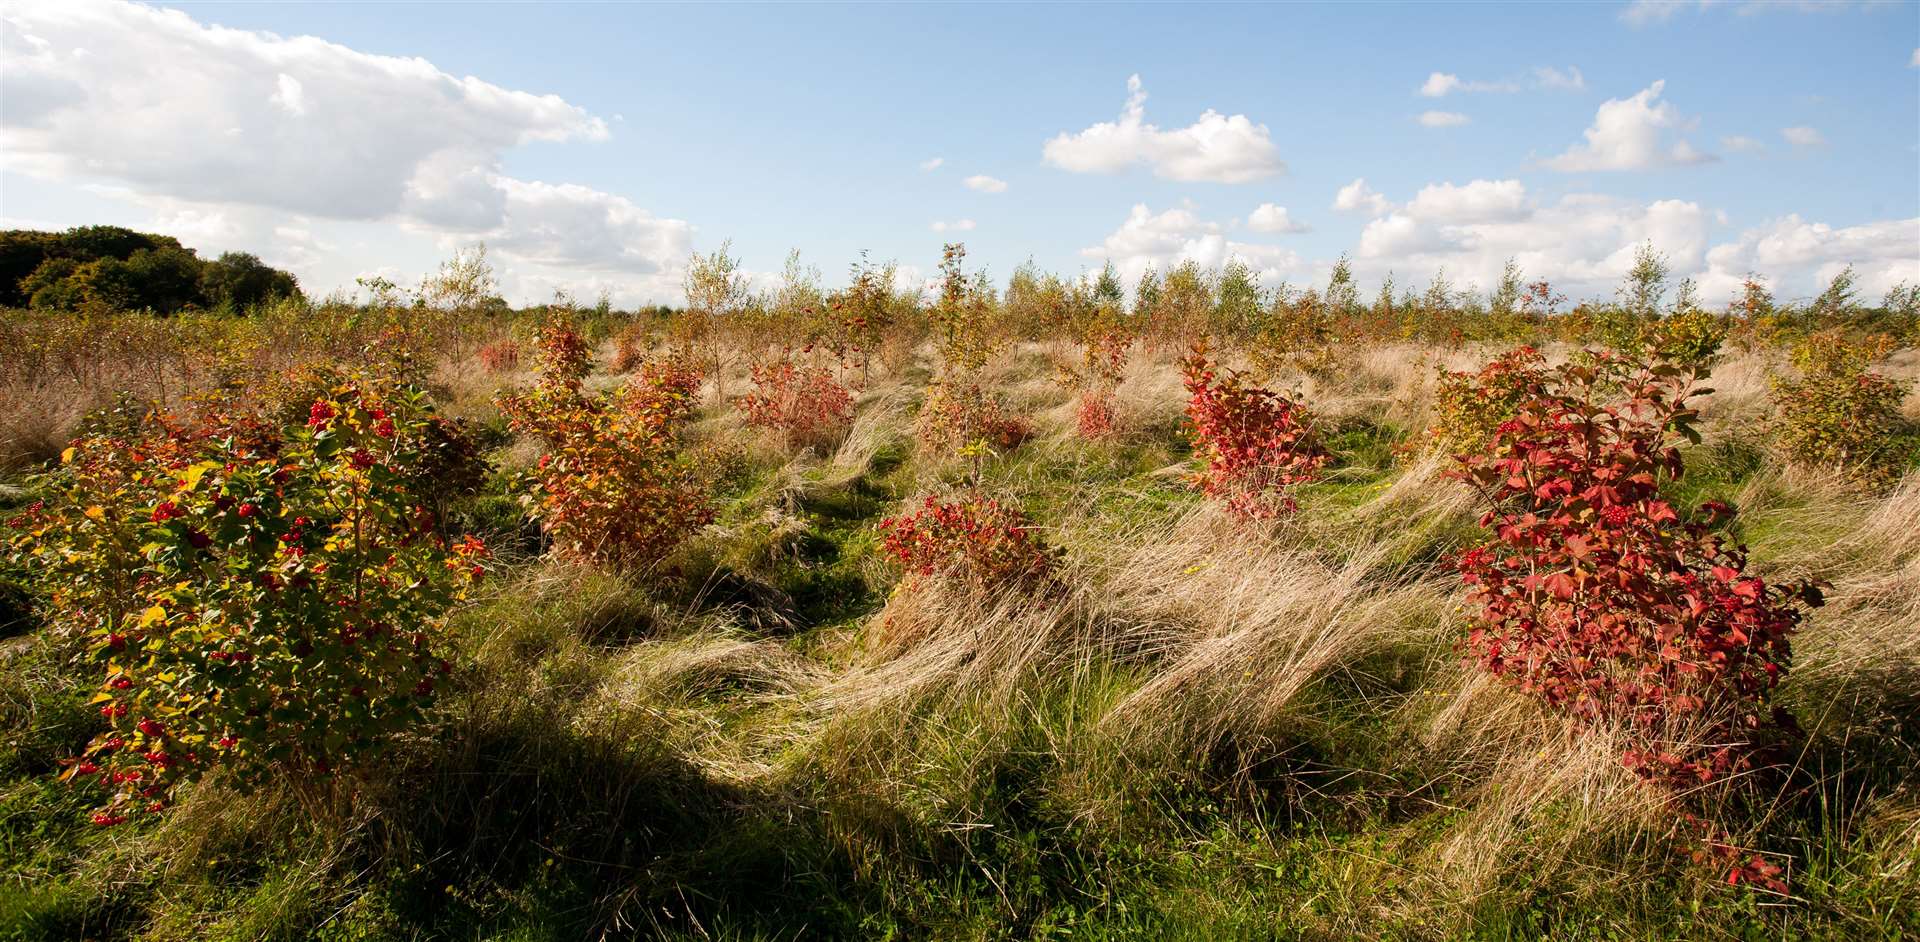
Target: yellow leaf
66, 457
97, 512
191, 479
153, 615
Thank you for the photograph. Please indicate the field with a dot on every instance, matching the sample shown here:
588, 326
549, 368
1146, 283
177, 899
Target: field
1165, 657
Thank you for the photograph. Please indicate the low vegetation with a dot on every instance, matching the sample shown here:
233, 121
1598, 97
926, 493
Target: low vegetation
1197, 611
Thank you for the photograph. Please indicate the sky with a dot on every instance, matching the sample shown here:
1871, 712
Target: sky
593, 147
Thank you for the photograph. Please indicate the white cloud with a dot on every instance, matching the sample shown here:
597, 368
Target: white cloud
1798, 258
1583, 243
249, 127
1358, 197
1803, 136
1215, 148
1270, 218
1442, 119
1741, 144
1914, 63
1166, 239
1442, 84
985, 184
1478, 201
932, 163
1547, 76
958, 225
1632, 134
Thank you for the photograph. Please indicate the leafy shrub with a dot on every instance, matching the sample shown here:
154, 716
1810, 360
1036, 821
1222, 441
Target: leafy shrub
1257, 444
1598, 597
972, 537
1689, 336
500, 356
803, 403
611, 488
1839, 412
956, 416
1469, 407
261, 595
1095, 416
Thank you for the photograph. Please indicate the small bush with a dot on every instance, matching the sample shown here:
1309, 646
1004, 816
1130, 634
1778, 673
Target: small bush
1599, 597
1094, 415
1840, 413
803, 403
261, 596
1468, 407
1257, 444
611, 488
500, 356
957, 416
972, 537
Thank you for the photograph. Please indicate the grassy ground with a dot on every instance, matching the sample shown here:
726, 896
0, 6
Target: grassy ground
1209, 734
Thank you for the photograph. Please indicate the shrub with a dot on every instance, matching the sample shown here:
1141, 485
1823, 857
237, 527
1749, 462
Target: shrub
500, 356
611, 488
1840, 413
1689, 336
260, 596
1468, 407
958, 415
972, 537
803, 403
1095, 416
1257, 444
1599, 597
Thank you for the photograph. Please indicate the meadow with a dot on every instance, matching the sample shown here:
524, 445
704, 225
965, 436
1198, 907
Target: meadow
1191, 609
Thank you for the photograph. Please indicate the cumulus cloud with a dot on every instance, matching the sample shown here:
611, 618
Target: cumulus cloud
1583, 243
1803, 136
1741, 144
1633, 133
958, 225
238, 125
1798, 257
1358, 197
1270, 218
1215, 148
1166, 239
985, 184
932, 163
1442, 119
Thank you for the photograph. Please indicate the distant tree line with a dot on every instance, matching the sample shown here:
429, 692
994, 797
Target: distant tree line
110, 268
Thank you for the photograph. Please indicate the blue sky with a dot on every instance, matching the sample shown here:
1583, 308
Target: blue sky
593, 145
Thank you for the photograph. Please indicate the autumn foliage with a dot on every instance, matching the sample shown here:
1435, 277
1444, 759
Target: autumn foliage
803, 403
1257, 444
972, 537
259, 592
611, 488
1598, 596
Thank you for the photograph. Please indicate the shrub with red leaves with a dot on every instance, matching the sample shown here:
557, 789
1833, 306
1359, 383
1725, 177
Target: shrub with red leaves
973, 537
612, 487
1596, 595
1094, 416
1257, 443
805, 404
501, 355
